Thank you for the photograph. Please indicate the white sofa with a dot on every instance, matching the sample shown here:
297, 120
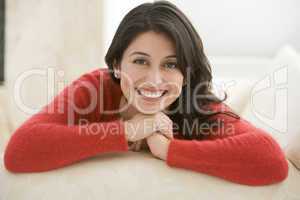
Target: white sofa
138, 175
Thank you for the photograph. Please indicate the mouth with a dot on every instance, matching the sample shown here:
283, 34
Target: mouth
151, 95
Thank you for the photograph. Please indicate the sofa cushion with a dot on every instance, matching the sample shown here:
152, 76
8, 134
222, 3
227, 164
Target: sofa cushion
274, 103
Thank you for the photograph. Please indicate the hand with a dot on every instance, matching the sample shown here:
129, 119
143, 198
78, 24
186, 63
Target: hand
141, 126
159, 145
138, 145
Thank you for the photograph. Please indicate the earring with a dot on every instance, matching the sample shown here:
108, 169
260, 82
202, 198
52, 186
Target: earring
116, 75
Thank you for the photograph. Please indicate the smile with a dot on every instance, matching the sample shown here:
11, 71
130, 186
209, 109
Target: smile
151, 95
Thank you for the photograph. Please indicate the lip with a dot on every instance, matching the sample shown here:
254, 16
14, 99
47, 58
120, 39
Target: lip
151, 89
149, 99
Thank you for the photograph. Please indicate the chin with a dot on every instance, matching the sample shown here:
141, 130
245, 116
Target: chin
149, 110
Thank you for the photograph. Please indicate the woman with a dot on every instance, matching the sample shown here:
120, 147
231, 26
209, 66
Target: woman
156, 93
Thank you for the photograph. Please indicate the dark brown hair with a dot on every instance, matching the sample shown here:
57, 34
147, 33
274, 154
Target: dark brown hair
165, 17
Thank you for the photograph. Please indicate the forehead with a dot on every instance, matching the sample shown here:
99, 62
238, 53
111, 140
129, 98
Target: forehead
152, 43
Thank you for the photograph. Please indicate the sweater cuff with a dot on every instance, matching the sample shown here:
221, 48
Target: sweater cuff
178, 152
122, 137
114, 140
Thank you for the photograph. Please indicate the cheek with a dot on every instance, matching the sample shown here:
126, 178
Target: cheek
176, 83
126, 83
128, 79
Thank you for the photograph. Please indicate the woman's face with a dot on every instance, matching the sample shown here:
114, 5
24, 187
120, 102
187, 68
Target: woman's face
149, 76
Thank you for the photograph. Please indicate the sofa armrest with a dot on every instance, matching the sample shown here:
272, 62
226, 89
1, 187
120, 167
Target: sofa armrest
134, 175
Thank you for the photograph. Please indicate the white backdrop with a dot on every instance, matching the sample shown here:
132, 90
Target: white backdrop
228, 28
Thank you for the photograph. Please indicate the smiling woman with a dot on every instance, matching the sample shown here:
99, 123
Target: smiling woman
157, 89
150, 71
163, 37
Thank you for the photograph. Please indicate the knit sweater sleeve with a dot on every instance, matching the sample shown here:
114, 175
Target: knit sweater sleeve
53, 137
237, 152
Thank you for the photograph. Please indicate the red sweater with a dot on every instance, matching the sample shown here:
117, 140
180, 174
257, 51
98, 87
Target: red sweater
49, 140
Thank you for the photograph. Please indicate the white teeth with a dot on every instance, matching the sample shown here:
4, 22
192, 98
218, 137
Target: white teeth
151, 94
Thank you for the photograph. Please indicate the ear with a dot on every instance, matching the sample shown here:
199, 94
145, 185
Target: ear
116, 65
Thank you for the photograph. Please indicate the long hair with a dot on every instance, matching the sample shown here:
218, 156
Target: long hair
165, 17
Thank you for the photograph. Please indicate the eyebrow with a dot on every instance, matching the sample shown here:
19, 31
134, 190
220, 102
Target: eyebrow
145, 54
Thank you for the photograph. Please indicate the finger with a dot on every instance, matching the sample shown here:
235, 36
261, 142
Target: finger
144, 144
165, 126
166, 134
167, 131
131, 146
138, 145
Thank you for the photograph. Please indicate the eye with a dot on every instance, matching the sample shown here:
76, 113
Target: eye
140, 61
171, 65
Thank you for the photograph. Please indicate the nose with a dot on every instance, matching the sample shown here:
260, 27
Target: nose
154, 76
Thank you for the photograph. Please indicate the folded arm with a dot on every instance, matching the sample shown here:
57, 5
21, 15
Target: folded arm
47, 140
248, 155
